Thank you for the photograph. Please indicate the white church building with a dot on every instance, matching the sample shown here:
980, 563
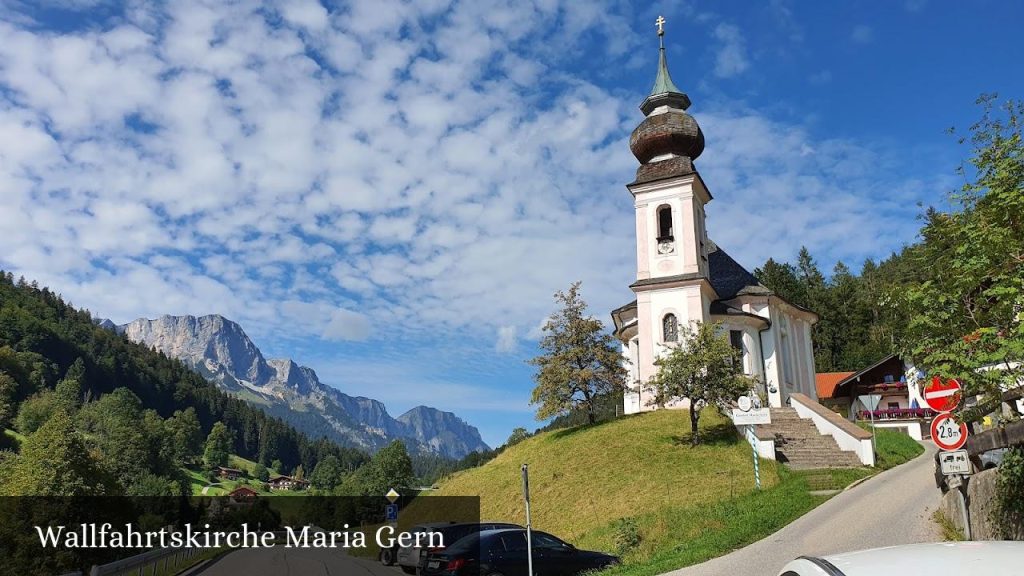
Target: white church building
682, 277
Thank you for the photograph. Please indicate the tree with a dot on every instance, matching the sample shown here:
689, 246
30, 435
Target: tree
517, 436
218, 446
389, 468
966, 320
260, 472
129, 441
782, 279
53, 462
580, 360
327, 474
35, 411
299, 473
8, 387
277, 466
186, 435
69, 389
703, 369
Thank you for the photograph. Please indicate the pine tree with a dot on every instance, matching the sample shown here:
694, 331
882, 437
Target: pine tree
580, 362
218, 446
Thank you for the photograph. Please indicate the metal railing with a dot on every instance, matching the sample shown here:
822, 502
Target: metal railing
147, 562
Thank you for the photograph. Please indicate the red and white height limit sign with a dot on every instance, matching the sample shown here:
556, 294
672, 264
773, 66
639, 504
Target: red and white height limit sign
944, 397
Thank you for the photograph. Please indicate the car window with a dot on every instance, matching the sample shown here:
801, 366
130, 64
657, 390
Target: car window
514, 541
542, 540
469, 542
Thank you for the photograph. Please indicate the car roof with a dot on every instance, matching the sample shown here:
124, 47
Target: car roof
989, 558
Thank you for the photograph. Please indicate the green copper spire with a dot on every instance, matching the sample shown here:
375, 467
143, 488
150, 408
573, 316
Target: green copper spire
663, 82
665, 91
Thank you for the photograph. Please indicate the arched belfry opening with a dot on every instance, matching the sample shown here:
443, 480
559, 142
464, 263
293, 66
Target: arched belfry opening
665, 223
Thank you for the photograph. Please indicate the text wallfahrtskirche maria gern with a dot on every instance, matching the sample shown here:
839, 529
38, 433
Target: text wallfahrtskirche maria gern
128, 536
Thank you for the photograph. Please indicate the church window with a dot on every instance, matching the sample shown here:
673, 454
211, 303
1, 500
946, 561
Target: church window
736, 339
670, 328
664, 223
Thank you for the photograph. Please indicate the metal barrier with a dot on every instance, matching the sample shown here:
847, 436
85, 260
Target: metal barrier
147, 562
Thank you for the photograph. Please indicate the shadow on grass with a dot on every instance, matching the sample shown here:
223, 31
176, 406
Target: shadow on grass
567, 432
723, 434
8, 442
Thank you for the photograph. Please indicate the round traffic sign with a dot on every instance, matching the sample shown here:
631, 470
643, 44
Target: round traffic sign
947, 433
943, 396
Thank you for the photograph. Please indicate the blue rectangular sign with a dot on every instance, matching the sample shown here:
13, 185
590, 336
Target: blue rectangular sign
391, 512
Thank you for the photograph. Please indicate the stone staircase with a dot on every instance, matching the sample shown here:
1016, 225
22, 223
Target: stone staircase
799, 445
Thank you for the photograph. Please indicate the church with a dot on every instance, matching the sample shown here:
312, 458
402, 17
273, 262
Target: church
683, 277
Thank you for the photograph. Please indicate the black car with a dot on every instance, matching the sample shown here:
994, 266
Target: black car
503, 553
412, 560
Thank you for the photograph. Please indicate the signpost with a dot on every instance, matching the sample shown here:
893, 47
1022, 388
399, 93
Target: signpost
950, 435
943, 397
871, 402
391, 512
751, 417
947, 433
749, 414
955, 463
529, 533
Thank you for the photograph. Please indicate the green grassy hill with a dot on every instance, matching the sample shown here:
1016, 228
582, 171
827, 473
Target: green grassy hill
636, 487
580, 478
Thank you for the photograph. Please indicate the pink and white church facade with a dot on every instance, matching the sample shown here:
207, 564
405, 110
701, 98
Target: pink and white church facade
682, 277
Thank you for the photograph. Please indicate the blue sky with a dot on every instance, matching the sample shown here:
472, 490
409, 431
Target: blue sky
390, 192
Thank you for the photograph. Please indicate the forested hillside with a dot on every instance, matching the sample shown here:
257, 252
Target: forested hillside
101, 414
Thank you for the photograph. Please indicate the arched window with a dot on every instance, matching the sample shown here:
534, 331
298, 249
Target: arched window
664, 222
670, 328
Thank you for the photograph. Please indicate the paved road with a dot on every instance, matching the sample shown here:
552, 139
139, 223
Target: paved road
892, 508
281, 561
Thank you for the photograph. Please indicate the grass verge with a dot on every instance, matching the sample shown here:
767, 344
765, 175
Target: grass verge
950, 533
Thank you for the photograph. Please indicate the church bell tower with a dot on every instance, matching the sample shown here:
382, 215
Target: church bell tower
669, 195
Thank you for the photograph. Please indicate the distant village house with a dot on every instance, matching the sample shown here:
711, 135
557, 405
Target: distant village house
287, 483
229, 473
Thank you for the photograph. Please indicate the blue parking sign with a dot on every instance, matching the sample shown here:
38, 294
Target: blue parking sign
391, 512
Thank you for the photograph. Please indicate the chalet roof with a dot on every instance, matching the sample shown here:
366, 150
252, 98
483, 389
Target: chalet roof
226, 469
826, 382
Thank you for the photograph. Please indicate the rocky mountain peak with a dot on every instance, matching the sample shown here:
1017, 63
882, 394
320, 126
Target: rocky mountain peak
220, 350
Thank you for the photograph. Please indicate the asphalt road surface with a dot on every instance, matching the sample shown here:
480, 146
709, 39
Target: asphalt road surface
281, 561
892, 508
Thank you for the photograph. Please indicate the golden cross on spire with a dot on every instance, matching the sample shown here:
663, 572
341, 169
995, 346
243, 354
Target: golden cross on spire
661, 25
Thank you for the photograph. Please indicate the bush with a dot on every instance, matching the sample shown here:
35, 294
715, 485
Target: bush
627, 535
1008, 511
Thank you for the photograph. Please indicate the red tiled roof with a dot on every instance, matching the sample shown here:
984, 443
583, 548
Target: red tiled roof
826, 382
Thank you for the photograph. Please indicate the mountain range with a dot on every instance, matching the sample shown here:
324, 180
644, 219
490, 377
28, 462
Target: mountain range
220, 350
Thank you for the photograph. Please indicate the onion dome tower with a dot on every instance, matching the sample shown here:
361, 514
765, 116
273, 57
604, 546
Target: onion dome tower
668, 141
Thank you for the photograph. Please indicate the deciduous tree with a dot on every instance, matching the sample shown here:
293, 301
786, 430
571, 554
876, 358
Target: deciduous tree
703, 369
580, 360
967, 318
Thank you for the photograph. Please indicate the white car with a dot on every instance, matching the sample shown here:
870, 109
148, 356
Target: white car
937, 559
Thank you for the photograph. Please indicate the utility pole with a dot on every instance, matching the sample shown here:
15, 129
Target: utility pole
529, 534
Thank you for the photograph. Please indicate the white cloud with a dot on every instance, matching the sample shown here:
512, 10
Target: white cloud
731, 57
507, 340
434, 168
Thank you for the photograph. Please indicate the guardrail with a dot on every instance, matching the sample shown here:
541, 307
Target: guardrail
147, 562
